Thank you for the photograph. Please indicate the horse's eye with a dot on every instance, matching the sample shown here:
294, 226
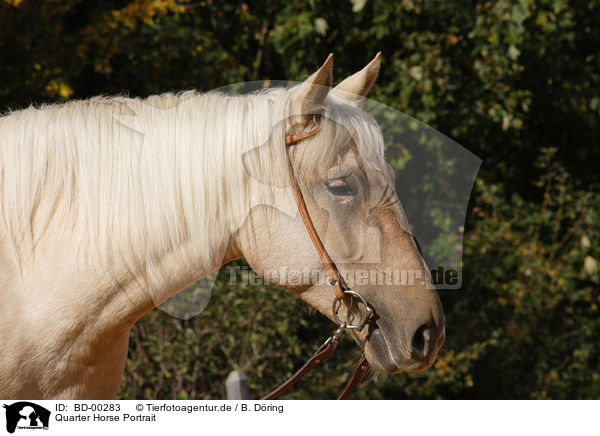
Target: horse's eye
339, 187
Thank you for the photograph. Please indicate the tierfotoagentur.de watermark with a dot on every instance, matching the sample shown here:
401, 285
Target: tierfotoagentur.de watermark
243, 275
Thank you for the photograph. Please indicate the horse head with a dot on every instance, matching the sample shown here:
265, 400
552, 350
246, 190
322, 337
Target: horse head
349, 191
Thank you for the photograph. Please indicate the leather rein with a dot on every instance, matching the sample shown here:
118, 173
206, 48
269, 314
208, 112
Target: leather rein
340, 288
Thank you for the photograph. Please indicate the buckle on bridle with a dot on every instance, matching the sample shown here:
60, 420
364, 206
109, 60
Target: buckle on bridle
368, 312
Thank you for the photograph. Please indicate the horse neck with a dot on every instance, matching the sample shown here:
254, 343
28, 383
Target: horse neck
195, 189
146, 192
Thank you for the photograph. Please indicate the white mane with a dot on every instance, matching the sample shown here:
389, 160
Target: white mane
140, 176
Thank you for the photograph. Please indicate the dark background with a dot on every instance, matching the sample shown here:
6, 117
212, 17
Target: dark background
515, 82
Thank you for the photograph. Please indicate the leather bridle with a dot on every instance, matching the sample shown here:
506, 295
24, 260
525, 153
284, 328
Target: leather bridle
340, 288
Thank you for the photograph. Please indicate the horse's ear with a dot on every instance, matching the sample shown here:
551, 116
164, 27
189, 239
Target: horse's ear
309, 98
356, 87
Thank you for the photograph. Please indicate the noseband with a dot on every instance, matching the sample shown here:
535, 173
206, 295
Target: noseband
343, 294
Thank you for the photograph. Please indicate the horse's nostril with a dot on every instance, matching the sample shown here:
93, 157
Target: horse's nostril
420, 342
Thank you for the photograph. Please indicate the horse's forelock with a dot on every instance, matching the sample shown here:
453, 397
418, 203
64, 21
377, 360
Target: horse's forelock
345, 127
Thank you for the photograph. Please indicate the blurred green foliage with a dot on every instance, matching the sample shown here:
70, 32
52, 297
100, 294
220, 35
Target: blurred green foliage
516, 82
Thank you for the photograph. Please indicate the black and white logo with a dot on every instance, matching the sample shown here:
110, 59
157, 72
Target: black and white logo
26, 415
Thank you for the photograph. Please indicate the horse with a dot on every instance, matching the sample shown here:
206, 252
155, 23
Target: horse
111, 205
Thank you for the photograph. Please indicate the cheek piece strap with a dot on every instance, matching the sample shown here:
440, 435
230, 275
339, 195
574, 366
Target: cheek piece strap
340, 289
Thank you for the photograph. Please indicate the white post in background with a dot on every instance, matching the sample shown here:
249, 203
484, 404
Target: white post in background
237, 386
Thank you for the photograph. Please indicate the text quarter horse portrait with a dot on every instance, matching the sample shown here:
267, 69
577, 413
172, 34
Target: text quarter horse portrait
110, 206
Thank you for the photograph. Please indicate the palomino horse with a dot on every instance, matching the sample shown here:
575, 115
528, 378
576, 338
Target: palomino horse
112, 205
